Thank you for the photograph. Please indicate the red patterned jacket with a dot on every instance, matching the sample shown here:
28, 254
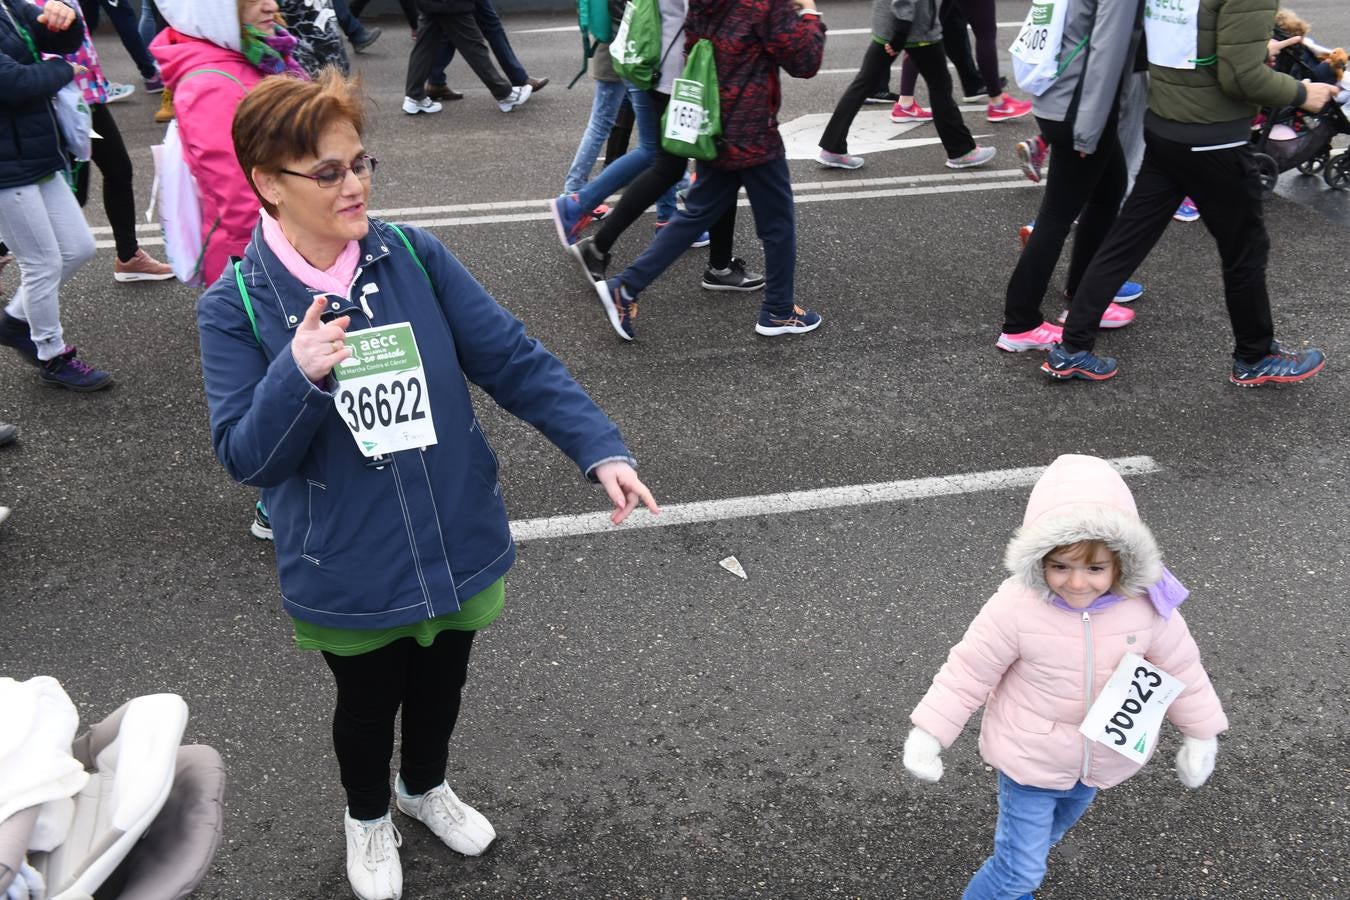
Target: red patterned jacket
753, 40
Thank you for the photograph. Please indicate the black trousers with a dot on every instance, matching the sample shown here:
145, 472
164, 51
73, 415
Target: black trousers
666, 169
424, 681
876, 64
461, 31
119, 201
1091, 186
1226, 188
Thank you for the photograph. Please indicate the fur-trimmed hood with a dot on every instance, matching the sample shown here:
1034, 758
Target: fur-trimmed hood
1082, 498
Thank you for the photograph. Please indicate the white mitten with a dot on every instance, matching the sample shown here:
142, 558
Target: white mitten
923, 755
1195, 760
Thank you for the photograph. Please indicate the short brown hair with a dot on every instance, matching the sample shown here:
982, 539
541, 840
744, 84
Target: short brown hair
282, 119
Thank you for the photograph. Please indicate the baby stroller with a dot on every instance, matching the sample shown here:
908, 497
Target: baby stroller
132, 814
1308, 148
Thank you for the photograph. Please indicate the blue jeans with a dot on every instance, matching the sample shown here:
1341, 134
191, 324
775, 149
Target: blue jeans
1031, 820
712, 197
604, 109
633, 163
124, 19
151, 22
491, 25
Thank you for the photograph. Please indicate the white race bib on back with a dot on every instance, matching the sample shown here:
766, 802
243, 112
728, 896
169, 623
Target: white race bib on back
1035, 53
1171, 32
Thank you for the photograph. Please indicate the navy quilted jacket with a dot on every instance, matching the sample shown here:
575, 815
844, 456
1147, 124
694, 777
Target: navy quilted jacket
752, 40
30, 144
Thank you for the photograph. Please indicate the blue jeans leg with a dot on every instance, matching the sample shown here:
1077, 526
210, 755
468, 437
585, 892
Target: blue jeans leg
604, 108
649, 139
124, 20
715, 191
1030, 821
633, 163
491, 25
148, 25
769, 189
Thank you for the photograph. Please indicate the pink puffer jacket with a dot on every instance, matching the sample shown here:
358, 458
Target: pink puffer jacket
1036, 668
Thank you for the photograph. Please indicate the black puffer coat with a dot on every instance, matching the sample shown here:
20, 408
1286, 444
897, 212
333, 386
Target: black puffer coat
30, 142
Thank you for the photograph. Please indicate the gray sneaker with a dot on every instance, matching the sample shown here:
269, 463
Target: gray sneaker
735, 278
977, 157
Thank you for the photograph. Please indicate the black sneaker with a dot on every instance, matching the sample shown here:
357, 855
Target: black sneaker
1278, 367
261, 526
984, 95
74, 374
883, 97
593, 262
14, 333
361, 42
736, 278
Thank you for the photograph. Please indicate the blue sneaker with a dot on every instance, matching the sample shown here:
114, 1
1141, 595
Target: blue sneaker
1187, 211
1129, 292
74, 374
798, 321
1063, 365
569, 218
1279, 366
622, 313
14, 333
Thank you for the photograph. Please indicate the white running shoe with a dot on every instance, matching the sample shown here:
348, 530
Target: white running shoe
118, 92
838, 160
517, 97
977, 157
425, 105
461, 827
373, 867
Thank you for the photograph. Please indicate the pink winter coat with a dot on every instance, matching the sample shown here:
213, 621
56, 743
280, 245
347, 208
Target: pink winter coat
1036, 668
204, 106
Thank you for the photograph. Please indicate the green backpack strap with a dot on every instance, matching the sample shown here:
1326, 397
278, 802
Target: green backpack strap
417, 259
248, 304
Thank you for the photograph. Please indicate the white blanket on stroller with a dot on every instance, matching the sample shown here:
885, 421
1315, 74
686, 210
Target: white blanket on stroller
37, 725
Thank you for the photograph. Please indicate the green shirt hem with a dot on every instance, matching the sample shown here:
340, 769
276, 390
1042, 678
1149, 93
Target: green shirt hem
475, 614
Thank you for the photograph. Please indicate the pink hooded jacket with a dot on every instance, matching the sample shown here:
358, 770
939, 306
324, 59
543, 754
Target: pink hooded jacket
1036, 668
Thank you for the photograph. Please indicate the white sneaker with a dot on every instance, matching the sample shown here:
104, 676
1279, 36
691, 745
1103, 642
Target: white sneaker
461, 827
118, 92
517, 97
425, 105
373, 867
977, 157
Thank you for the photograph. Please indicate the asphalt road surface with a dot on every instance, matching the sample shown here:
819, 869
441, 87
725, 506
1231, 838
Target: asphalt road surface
640, 722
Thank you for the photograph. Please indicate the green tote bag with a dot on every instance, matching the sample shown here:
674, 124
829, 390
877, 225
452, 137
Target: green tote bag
692, 122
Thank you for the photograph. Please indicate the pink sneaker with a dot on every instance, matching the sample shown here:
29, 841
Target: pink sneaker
1116, 316
1042, 337
914, 113
1010, 108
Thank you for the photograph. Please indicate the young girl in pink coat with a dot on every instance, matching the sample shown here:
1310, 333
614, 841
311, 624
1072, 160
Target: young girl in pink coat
211, 55
1088, 587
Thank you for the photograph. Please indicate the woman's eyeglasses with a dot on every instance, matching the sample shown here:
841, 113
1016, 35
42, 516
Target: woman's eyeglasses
331, 177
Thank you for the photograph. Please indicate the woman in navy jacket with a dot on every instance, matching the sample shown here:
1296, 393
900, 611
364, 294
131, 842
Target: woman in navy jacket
39, 217
389, 561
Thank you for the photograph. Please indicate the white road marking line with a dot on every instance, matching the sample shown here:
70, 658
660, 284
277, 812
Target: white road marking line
803, 501
426, 216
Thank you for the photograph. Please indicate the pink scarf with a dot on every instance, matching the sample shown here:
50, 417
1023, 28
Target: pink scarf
335, 280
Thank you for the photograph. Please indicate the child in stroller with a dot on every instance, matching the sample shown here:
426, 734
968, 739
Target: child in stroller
1290, 138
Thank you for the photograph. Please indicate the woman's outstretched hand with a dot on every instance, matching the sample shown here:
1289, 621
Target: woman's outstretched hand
625, 489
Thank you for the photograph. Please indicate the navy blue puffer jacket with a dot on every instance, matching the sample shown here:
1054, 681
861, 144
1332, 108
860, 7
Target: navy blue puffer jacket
30, 142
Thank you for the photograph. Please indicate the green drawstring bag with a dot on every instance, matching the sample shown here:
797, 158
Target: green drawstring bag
636, 49
692, 122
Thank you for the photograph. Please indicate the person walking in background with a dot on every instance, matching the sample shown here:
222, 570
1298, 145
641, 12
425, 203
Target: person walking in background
407, 7
452, 22
212, 56
132, 262
752, 40
127, 24
912, 26
39, 217
360, 36
980, 14
490, 24
1204, 88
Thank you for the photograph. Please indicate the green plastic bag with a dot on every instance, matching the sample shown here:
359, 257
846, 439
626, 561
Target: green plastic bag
692, 122
636, 49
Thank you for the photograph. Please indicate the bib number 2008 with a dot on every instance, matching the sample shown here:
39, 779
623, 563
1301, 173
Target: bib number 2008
388, 403
1132, 706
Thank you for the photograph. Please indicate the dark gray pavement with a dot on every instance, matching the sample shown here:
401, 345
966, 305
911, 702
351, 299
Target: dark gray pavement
639, 723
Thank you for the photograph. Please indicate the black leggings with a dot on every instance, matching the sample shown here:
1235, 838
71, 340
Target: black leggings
980, 15
665, 170
951, 128
119, 201
424, 681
